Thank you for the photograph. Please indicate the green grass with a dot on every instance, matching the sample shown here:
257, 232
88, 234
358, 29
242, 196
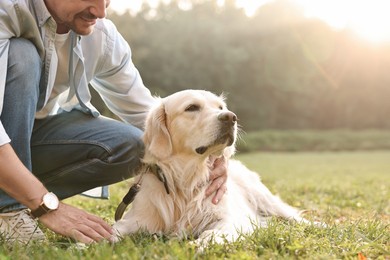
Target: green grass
347, 190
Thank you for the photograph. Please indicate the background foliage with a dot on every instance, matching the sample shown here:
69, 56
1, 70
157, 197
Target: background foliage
279, 69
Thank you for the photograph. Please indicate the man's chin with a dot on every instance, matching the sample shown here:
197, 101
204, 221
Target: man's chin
83, 27
84, 31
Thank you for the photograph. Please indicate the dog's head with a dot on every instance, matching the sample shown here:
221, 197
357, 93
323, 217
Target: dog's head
190, 122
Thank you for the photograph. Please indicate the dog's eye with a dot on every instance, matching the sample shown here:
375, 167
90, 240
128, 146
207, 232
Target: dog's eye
192, 108
221, 107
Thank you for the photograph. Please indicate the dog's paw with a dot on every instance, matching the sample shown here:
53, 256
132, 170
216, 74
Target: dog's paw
305, 221
116, 236
319, 224
201, 244
115, 239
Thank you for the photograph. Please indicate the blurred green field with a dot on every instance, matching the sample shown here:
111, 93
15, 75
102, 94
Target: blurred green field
314, 140
343, 184
347, 190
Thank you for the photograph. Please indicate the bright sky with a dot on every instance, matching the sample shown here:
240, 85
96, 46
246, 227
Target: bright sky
368, 18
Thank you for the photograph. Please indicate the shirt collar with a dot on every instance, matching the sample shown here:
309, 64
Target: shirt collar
41, 12
43, 15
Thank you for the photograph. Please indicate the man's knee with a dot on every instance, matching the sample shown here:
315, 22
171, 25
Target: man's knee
127, 154
132, 146
129, 144
24, 60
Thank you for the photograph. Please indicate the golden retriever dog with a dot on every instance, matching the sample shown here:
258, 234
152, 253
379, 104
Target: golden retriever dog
182, 135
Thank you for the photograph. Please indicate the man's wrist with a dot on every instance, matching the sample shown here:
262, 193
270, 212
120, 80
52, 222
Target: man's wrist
49, 202
34, 197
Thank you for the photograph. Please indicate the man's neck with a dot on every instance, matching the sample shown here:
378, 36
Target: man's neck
62, 29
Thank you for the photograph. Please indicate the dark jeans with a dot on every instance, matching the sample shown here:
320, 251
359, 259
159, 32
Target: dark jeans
69, 152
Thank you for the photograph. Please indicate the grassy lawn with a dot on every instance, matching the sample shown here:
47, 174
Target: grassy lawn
347, 190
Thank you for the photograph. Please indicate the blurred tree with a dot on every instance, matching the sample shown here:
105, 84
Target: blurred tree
278, 69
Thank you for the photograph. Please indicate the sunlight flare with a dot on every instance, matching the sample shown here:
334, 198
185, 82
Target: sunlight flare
368, 18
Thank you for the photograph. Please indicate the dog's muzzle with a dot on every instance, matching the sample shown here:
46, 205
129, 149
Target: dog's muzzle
227, 132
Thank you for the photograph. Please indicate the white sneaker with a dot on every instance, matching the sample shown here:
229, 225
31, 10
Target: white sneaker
20, 227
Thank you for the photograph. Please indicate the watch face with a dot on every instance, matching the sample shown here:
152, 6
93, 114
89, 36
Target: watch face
51, 201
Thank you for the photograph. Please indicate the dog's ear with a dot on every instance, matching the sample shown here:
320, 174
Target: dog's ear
156, 137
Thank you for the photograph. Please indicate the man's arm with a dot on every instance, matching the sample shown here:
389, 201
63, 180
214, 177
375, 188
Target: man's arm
17, 181
116, 78
21, 184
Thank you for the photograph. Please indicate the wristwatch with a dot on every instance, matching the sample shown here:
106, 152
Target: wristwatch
49, 203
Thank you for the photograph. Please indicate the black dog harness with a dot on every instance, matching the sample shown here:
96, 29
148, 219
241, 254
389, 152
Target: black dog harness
129, 197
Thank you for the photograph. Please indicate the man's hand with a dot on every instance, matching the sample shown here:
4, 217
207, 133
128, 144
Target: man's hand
77, 224
218, 175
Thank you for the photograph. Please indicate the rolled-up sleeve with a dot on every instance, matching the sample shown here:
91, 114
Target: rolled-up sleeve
5, 34
4, 139
4, 45
3, 73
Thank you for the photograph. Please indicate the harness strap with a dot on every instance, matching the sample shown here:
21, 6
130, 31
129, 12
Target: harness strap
160, 175
129, 197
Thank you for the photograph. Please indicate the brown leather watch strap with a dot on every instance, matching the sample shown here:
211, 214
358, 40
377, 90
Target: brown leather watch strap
39, 211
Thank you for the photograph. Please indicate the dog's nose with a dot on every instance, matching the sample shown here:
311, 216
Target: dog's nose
227, 117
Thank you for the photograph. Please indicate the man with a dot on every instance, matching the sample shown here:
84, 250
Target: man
50, 51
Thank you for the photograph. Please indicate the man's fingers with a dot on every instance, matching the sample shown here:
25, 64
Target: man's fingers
90, 232
215, 185
77, 224
221, 191
80, 237
218, 176
96, 232
104, 228
219, 168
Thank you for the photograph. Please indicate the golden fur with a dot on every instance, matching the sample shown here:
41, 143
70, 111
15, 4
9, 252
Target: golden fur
182, 134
